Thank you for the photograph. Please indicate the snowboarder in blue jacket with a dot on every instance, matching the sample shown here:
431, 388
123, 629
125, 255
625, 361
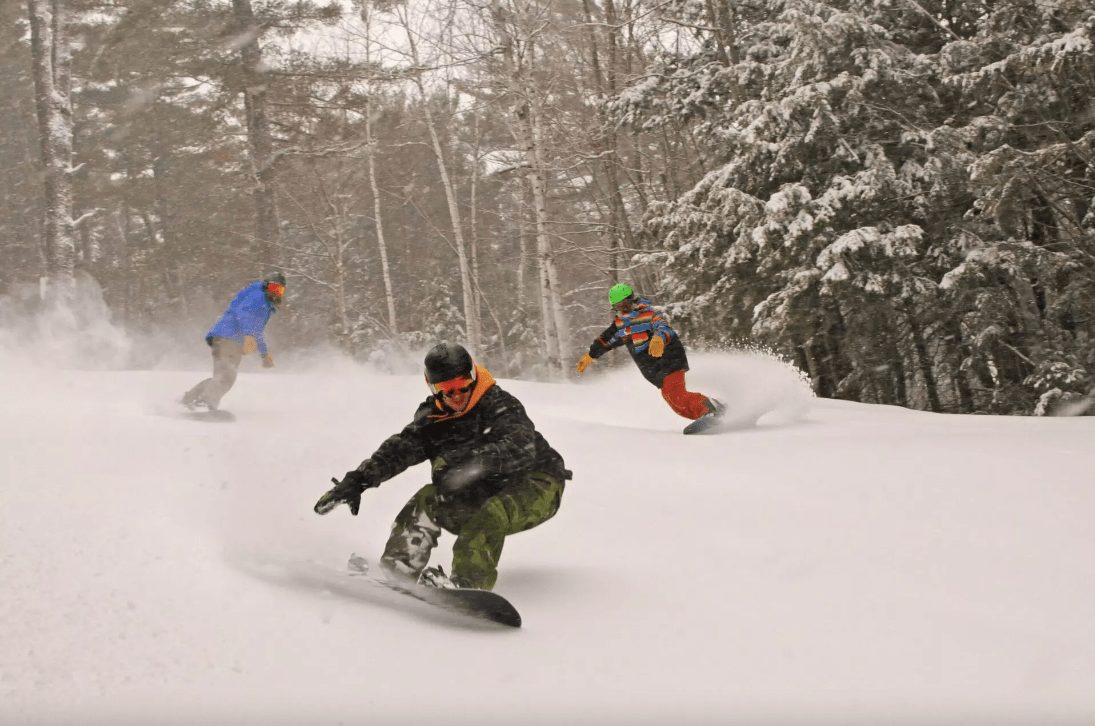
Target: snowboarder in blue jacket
239, 331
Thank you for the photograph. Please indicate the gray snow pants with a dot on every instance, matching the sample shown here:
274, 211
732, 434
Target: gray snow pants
227, 355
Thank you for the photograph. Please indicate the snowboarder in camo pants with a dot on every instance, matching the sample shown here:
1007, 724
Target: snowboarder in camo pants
493, 475
656, 349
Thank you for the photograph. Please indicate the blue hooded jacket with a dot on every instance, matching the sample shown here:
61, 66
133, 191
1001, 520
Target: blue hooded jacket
247, 314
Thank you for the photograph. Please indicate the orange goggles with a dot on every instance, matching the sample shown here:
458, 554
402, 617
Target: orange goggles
275, 288
452, 387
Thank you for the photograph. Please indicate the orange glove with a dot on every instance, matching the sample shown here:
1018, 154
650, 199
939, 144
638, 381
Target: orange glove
657, 346
249, 344
267, 361
583, 363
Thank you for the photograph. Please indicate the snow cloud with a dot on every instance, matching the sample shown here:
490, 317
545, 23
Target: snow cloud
36, 331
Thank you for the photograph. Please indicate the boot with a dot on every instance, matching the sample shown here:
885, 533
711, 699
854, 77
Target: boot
195, 402
436, 577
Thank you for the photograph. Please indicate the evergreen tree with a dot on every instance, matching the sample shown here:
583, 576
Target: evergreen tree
900, 251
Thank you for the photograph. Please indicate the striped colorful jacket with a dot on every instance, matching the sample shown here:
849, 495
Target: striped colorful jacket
635, 330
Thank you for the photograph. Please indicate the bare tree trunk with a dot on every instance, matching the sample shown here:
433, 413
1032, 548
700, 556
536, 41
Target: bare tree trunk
606, 142
957, 352
334, 238
517, 54
526, 130
382, 245
260, 143
473, 227
342, 242
385, 269
549, 276
720, 19
161, 182
524, 204
923, 360
1030, 318
121, 223
51, 61
471, 321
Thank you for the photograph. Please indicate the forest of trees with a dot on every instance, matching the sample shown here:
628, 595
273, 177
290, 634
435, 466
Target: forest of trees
898, 196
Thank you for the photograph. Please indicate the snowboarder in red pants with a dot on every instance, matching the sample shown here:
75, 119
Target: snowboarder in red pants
656, 349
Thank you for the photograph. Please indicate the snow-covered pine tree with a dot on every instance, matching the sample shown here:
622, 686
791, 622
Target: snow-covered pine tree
902, 199
810, 129
1020, 247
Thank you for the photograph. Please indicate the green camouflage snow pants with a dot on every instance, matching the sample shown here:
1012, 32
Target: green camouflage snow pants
481, 528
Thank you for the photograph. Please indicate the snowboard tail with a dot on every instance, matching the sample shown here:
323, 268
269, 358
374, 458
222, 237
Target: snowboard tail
218, 415
721, 420
702, 424
202, 411
480, 604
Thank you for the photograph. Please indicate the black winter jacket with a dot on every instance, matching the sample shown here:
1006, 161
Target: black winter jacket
474, 454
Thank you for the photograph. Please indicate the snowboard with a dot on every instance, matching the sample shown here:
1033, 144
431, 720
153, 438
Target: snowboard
713, 424
707, 423
201, 412
480, 604
218, 415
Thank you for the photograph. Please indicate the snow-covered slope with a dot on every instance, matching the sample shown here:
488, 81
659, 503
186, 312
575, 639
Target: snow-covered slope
836, 563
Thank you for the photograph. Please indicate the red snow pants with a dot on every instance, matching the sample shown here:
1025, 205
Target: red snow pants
687, 403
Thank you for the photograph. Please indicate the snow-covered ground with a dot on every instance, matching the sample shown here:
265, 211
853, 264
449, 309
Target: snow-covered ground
834, 564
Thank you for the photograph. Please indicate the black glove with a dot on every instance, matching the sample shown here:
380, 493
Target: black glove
348, 492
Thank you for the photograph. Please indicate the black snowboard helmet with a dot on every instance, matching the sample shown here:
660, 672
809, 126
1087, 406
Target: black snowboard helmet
446, 361
275, 277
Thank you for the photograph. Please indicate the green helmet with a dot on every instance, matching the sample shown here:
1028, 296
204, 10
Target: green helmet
619, 291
